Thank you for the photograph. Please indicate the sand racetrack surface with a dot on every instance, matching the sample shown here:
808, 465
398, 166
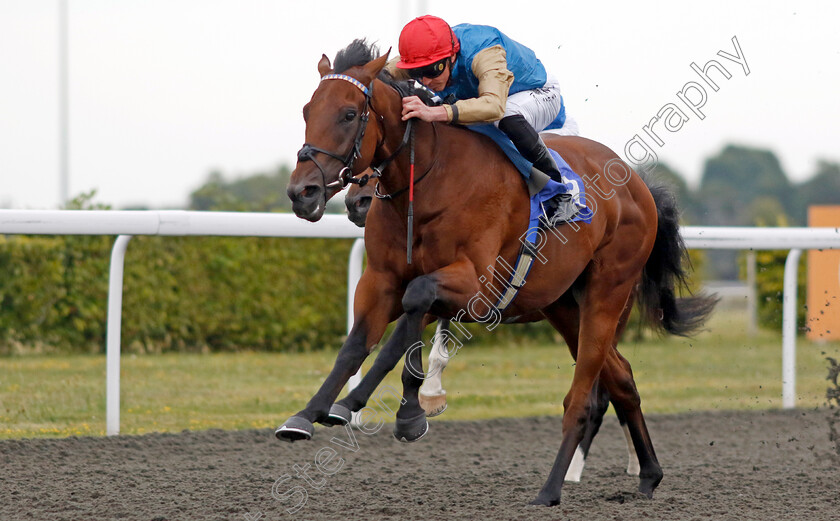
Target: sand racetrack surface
719, 466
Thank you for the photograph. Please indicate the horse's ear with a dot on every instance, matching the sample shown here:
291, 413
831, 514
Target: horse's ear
324, 66
373, 68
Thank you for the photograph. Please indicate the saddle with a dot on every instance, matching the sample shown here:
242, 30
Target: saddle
552, 203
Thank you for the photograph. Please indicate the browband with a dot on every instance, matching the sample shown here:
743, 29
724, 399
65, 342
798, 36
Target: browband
351, 79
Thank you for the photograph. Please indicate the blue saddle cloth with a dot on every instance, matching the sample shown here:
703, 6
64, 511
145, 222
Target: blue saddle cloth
572, 185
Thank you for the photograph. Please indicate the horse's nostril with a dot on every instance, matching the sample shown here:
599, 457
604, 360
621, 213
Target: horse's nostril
309, 191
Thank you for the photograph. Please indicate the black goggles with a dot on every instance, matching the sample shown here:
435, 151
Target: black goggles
429, 71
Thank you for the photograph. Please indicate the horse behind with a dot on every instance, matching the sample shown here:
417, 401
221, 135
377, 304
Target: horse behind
470, 212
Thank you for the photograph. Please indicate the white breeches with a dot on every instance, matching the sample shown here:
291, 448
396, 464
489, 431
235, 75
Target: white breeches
539, 107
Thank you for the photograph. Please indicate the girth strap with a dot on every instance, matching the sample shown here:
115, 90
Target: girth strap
517, 276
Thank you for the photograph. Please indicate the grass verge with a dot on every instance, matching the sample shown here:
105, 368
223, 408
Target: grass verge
56, 396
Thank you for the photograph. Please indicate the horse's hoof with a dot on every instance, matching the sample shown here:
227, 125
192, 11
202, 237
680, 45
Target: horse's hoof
295, 428
648, 484
411, 429
434, 405
339, 415
545, 501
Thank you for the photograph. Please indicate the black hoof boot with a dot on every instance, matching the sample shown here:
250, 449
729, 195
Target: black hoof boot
411, 429
339, 415
295, 428
546, 500
648, 483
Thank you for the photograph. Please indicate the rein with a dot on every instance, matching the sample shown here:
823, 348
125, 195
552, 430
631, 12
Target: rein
410, 222
388, 197
377, 170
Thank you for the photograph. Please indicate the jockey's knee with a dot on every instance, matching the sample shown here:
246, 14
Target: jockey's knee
522, 133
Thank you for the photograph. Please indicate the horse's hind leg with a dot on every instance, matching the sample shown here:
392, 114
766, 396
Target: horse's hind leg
564, 316
601, 306
623, 391
617, 377
618, 403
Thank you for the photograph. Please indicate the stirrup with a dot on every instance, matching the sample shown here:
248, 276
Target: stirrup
563, 211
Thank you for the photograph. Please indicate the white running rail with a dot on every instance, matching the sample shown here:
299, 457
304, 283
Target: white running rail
125, 224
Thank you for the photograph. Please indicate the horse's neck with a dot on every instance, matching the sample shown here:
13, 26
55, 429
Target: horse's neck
462, 166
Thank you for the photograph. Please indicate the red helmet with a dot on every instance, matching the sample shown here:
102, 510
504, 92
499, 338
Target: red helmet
424, 41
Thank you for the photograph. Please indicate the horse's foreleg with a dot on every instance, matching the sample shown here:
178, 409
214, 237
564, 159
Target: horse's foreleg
601, 310
432, 395
385, 362
411, 420
374, 306
450, 285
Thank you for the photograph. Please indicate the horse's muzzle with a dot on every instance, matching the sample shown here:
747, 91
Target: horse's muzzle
357, 208
308, 201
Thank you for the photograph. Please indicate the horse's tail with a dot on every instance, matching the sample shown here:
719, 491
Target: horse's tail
666, 271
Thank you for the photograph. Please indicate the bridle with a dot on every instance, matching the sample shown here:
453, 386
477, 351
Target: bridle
345, 176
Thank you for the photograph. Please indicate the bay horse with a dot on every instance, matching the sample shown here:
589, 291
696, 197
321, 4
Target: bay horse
470, 213
432, 395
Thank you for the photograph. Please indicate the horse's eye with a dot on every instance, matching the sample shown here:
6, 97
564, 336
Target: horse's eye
350, 116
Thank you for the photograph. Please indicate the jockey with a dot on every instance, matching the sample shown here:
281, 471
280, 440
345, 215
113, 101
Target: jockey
493, 78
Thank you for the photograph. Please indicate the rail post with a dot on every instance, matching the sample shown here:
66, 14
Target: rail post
115, 290
354, 273
789, 330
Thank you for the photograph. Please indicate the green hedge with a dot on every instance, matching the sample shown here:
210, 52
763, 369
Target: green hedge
180, 293
189, 294
186, 294
769, 281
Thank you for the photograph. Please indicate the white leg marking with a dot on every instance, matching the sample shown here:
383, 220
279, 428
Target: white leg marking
576, 466
438, 358
632, 459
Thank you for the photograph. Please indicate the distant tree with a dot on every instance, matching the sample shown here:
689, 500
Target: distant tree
261, 192
741, 186
822, 188
766, 211
737, 176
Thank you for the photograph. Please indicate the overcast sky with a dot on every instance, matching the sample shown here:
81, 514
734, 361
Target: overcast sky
164, 91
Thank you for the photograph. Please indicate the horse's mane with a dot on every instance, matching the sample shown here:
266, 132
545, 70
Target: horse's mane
358, 53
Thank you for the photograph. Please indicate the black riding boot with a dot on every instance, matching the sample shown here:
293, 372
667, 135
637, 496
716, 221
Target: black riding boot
529, 144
